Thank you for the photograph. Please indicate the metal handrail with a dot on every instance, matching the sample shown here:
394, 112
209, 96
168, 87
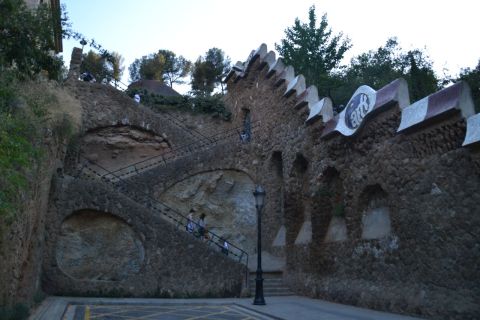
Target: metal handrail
175, 153
180, 220
180, 124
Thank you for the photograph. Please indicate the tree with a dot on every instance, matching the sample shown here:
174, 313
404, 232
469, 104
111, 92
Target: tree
314, 51
219, 63
147, 68
175, 68
419, 74
387, 63
117, 66
472, 77
374, 68
203, 78
208, 72
26, 38
97, 65
163, 66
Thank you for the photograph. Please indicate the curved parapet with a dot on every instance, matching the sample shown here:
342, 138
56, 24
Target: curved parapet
269, 60
277, 67
473, 131
454, 98
236, 71
321, 109
287, 75
260, 53
394, 92
365, 102
308, 97
296, 85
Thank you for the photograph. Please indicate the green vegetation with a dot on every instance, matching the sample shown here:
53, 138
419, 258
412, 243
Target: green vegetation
19, 149
387, 63
314, 51
472, 77
26, 42
163, 65
208, 72
104, 67
212, 105
27, 39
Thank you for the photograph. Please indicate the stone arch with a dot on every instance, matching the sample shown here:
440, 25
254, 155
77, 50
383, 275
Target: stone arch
328, 218
375, 213
225, 196
98, 246
114, 147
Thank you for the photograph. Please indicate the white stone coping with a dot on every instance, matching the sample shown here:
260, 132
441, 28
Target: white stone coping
473, 130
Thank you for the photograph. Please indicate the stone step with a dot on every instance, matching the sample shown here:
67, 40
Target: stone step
272, 285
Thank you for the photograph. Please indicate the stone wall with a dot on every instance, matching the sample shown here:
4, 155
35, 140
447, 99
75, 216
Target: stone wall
22, 240
381, 216
384, 218
101, 243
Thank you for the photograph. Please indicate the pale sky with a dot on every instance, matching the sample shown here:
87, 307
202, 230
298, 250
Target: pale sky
446, 29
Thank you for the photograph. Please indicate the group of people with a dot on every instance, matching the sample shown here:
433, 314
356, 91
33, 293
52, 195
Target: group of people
201, 229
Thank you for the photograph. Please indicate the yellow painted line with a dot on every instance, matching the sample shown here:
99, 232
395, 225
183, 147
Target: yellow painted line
87, 313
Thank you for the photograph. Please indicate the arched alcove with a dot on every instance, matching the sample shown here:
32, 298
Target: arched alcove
300, 164
375, 213
95, 245
276, 166
226, 197
328, 218
117, 146
277, 163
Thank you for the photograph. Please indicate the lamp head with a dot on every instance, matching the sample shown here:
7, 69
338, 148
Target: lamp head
259, 195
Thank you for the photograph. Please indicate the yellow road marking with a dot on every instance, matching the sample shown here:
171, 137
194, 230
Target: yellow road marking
87, 313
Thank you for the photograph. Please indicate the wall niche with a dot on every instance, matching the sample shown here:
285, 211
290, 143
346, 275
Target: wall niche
95, 245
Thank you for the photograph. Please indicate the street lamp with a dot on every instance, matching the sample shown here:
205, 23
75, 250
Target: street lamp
259, 195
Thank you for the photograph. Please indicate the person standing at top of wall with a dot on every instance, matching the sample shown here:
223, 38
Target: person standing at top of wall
136, 97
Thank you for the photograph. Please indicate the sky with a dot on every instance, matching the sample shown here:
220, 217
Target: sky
445, 29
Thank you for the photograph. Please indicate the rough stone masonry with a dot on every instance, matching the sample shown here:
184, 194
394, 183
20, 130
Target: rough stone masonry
375, 207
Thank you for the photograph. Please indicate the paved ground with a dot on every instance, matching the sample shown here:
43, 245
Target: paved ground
291, 307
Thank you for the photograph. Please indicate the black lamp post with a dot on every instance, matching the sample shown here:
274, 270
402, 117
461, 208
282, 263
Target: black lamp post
259, 194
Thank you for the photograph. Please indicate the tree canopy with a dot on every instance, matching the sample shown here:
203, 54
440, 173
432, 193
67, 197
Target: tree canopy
163, 65
314, 51
387, 63
26, 39
208, 72
105, 68
472, 77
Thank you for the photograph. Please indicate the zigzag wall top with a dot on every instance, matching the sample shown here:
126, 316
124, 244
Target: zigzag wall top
365, 102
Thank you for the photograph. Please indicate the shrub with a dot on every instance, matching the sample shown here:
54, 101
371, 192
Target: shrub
199, 104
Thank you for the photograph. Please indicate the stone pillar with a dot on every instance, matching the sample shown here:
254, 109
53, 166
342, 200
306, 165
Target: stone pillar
75, 62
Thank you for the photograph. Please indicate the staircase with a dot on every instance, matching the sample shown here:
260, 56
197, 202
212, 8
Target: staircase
228, 136
92, 171
272, 284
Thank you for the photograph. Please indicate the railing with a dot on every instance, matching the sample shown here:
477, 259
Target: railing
91, 170
176, 153
180, 124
